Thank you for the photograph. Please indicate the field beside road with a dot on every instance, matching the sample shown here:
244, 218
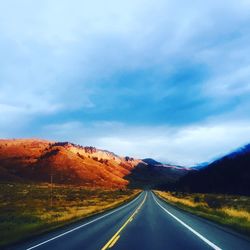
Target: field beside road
28, 210
229, 210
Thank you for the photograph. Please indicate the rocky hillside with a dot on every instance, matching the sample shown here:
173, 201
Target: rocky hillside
64, 162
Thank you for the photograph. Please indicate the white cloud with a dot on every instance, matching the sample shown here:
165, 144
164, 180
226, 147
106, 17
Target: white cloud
187, 145
56, 54
48, 46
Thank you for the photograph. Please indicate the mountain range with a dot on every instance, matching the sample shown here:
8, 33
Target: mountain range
35, 160
38, 160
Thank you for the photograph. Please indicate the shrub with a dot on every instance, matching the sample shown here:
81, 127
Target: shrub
213, 202
80, 155
197, 199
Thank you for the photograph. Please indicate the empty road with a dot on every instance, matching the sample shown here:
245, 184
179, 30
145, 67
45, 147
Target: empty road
147, 222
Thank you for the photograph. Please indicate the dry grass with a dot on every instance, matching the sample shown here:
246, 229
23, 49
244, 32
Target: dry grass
233, 211
187, 201
236, 213
27, 210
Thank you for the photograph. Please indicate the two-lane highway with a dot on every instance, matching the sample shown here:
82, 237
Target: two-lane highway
147, 222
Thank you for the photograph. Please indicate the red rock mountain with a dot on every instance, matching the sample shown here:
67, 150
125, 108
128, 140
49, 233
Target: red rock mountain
67, 163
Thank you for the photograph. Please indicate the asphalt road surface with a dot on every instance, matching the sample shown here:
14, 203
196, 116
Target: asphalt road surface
145, 223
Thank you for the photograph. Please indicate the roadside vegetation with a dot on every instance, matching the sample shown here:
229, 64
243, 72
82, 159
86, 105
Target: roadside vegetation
28, 210
229, 210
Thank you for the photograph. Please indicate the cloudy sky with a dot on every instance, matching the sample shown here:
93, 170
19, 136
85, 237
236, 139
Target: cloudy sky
165, 79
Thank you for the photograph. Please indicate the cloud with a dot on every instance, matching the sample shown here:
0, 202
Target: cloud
168, 72
186, 145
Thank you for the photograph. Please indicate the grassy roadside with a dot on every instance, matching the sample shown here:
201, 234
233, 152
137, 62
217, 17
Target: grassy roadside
230, 210
26, 210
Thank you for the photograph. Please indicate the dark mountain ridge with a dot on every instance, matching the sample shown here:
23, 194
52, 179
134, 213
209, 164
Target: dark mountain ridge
229, 174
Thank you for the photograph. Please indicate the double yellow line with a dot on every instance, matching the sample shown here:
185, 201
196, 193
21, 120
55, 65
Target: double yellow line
116, 236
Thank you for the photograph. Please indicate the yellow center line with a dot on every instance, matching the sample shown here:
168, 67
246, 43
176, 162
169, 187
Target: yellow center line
116, 236
114, 241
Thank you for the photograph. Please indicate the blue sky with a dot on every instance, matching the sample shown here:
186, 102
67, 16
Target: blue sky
162, 79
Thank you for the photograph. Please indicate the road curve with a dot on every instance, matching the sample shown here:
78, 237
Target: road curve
147, 222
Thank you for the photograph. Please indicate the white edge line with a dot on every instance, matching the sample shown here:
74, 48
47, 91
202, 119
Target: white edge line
83, 225
189, 228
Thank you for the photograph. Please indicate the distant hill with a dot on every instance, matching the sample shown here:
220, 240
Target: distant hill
151, 161
37, 160
150, 173
229, 174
